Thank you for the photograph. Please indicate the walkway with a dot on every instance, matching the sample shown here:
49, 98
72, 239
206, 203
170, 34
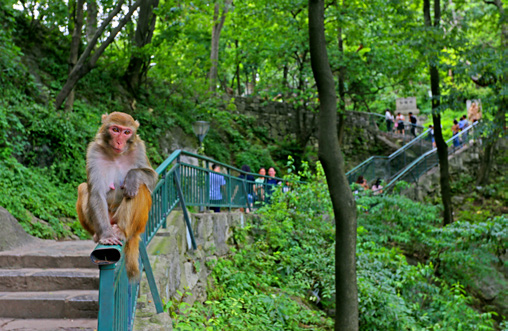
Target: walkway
409, 162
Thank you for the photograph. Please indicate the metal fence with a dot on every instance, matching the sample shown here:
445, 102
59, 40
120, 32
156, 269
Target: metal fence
386, 167
429, 159
181, 184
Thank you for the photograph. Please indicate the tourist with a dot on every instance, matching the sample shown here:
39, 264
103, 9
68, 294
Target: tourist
362, 182
463, 123
413, 121
216, 182
455, 130
389, 120
259, 187
431, 134
400, 123
377, 188
271, 183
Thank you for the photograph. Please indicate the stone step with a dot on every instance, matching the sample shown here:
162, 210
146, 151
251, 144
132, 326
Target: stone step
56, 304
82, 324
48, 279
49, 254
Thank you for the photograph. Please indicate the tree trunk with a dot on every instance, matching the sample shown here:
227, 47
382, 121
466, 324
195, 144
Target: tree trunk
499, 124
285, 74
342, 89
486, 161
84, 66
330, 154
140, 63
91, 19
442, 148
238, 80
75, 25
216, 30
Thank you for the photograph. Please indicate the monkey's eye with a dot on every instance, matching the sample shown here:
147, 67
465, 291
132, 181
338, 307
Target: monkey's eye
115, 129
127, 132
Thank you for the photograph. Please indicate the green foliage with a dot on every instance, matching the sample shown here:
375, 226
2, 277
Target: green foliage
29, 192
434, 290
274, 282
288, 267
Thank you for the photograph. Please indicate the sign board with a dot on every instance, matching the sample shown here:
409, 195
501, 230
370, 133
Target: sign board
406, 105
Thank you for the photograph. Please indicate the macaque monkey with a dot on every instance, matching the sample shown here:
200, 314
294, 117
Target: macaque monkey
114, 203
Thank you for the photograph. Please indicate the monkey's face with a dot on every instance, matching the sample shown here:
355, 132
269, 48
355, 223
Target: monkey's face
120, 137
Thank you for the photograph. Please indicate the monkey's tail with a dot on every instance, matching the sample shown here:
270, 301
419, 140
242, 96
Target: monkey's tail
131, 252
132, 215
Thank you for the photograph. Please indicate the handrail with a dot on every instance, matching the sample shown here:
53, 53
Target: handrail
181, 184
427, 157
423, 135
386, 167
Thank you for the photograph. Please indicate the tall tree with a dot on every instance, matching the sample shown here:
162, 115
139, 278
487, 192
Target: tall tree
218, 23
140, 59
330, 155
75, 27
341, 79
442, 148
87, 60
91, 19
499, 83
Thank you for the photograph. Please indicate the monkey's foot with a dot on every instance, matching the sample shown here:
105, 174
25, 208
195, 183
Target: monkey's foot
110, 240
95, 238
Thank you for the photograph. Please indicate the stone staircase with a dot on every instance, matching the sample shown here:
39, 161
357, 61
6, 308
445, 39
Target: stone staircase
49, 285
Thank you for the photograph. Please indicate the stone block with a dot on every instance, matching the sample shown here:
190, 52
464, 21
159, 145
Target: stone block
191, 278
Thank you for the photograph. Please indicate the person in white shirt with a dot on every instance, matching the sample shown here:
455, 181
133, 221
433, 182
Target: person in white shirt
389, 120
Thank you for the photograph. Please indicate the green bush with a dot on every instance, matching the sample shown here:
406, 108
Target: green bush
287, 272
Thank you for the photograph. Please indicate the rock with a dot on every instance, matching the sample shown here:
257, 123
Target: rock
12, 235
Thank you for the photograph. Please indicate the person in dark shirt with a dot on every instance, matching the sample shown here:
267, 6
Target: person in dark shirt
271, 183
413, 121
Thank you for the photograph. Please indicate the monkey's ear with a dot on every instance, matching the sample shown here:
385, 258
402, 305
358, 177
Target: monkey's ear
104, 116
136, 123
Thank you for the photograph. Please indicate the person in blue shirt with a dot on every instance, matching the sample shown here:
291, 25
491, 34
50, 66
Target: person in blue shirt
216, 182
463, 124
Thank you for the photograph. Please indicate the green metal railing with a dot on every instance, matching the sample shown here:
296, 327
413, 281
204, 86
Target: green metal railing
386, 167
430, 159
181, 184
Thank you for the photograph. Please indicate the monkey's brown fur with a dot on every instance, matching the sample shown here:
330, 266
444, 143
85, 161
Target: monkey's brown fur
114, 203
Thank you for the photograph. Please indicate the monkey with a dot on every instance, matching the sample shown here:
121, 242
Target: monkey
114, 203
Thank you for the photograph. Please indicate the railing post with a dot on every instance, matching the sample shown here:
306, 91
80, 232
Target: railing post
164, 197
246, 193
228, 193
184, 208
106, 297
150, 278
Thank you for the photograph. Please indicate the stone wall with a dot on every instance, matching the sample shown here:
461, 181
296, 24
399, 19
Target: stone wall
178, 268
283, 119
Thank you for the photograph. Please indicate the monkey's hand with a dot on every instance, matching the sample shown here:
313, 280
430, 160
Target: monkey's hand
131, 185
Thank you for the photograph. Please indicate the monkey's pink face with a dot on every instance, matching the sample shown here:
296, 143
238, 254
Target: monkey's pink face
119, 137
